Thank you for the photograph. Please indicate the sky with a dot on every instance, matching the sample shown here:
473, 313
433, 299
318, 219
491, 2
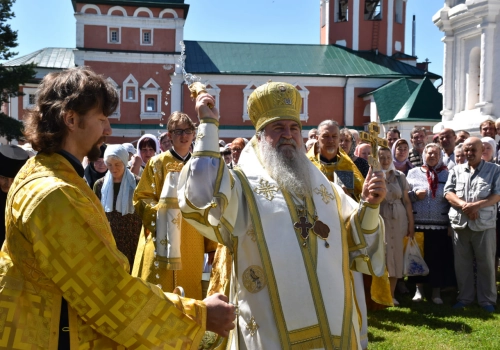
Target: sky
51, 24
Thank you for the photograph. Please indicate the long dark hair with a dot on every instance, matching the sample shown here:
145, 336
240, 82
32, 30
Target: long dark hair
79, 90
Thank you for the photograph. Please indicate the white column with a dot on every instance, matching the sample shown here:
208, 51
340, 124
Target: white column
373, 111
349, 104
176, 93
390, 23
179, 33
327, 22
14, 108
448, 93
355, 26
487, 54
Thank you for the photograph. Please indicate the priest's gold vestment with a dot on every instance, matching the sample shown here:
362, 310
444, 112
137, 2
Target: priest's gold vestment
193, 246
59, 244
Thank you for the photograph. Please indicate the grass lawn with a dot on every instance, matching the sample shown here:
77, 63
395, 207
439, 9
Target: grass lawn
426, 325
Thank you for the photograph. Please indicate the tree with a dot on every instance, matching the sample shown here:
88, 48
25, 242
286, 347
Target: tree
10, 76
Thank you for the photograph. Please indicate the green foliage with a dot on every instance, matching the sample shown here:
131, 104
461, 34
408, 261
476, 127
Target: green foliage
10, 128
8, 37
426, 325
10, 77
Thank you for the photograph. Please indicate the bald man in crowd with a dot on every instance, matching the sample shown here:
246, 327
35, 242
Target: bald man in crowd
473, 190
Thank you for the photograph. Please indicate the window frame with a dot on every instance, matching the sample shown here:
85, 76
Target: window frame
119, 33
144, 31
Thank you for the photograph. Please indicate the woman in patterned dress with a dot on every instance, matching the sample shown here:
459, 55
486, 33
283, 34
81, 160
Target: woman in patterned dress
430, 210
115, 190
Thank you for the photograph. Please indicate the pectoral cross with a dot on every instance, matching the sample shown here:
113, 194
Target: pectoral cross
372, 138
303, 226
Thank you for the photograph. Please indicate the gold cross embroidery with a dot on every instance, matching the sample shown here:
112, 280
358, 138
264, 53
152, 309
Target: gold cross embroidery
177, 221
200, 136
325, 195
164, 242
266, 189
251, 233
252, 326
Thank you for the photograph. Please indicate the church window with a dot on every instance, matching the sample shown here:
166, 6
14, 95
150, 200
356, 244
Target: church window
399, 11
150, 104
29, 98
130, 89
116, 113
151, 100
341, 10
473, 78
373, 10
114, 35
146, 37
130, 94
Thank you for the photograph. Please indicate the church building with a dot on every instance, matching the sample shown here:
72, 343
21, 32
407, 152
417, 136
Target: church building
136, 44
471, 92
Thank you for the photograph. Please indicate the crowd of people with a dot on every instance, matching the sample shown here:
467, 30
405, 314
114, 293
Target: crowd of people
105, 244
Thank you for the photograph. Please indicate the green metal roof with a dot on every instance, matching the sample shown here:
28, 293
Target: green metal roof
424, 103
49, 57
293, 59
391, 97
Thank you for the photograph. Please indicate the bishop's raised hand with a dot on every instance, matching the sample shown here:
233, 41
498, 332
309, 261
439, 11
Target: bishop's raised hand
374, 189
203, 101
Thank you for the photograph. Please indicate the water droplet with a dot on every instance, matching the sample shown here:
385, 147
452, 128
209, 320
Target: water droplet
159, 286
168, 92
161, 125
166, 103
157, 276
157, 263
175, 73
154, 239
171, 82
152, 223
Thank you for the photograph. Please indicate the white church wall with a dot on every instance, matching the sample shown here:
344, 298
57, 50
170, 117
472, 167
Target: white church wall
496, 82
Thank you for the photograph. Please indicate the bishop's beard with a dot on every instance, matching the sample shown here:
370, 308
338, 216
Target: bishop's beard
288, 166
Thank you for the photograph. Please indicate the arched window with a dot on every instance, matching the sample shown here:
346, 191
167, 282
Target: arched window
473, 78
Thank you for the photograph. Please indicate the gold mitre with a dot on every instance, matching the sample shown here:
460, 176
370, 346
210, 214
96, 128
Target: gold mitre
274, 101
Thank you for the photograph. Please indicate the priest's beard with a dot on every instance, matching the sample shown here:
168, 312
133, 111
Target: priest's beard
288, 166
95, 152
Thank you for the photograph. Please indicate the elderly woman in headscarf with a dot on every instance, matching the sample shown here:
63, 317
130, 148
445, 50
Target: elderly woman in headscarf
430, 210
400, 152
397, 213
348, 145
489, 149
147, 147
115, 190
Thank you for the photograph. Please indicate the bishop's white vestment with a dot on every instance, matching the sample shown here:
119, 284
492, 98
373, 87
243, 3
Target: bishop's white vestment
292, 292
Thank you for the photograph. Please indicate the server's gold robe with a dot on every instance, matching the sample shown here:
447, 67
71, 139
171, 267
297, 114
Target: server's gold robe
344, 168
193, 246
59, 244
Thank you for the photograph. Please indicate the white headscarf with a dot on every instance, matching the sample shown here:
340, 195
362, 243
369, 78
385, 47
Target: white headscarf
124, 203
391, 166
152, 137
